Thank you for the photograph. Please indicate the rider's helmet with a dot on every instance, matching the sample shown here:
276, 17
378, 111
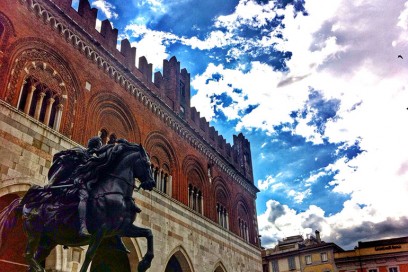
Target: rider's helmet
95, 143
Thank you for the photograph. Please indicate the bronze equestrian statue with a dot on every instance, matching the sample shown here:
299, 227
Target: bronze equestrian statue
88, 200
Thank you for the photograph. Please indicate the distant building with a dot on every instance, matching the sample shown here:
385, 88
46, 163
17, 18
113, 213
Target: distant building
296, 254
388, 255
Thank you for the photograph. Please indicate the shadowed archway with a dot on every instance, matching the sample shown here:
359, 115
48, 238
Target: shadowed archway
179, 261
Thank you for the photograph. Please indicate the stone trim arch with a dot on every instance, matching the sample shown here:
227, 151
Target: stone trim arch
29, 54
18, 188
182, 257
112, 113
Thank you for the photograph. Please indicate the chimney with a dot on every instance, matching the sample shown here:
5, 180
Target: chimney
318, 236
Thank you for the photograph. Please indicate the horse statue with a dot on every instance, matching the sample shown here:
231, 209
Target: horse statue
50, 215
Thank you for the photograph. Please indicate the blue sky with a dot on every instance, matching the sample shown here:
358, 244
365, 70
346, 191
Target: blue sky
317, 88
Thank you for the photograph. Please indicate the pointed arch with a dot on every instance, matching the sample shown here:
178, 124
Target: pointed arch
219, 267
180, 258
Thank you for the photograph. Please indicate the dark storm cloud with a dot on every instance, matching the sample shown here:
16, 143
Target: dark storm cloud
369, 231
277, 210
314, 222
269, 240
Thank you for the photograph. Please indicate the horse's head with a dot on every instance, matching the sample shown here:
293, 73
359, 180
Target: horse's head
143, 172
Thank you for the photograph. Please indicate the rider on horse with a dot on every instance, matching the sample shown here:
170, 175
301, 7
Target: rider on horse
62, 169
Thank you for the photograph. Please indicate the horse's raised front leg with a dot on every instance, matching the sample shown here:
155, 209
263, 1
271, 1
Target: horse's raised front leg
93, 246
134, 231
31, 249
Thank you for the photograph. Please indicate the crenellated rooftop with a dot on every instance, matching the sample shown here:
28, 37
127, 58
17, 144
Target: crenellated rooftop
171, 86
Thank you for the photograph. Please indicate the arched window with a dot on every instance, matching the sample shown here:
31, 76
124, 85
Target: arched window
162, 176
222, 215
103, 133
41, 102
111, 139
243, 229
243, 220
222, 201
195, 199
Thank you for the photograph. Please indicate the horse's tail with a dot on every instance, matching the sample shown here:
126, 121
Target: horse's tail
8, 219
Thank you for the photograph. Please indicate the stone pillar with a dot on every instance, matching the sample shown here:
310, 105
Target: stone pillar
58, 115
218, 213
201, 203
38, 107
170, 185
29, 99
246, 232
191, 197
159, 178
221, 216
50, 102
197, 203
163, 181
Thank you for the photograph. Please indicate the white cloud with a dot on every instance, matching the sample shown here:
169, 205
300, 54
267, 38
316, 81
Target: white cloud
215, 39
151, 43
280, 221
313, 178
270, 183
247, 13
299, 196
348, 51
106, 8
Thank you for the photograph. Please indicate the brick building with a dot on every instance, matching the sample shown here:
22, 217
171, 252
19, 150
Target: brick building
387, 255
62, 82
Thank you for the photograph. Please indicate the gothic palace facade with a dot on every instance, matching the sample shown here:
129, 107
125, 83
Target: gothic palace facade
62, 82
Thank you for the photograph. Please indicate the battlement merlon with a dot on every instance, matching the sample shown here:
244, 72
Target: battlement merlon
88, 14
110, 34
129, 53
